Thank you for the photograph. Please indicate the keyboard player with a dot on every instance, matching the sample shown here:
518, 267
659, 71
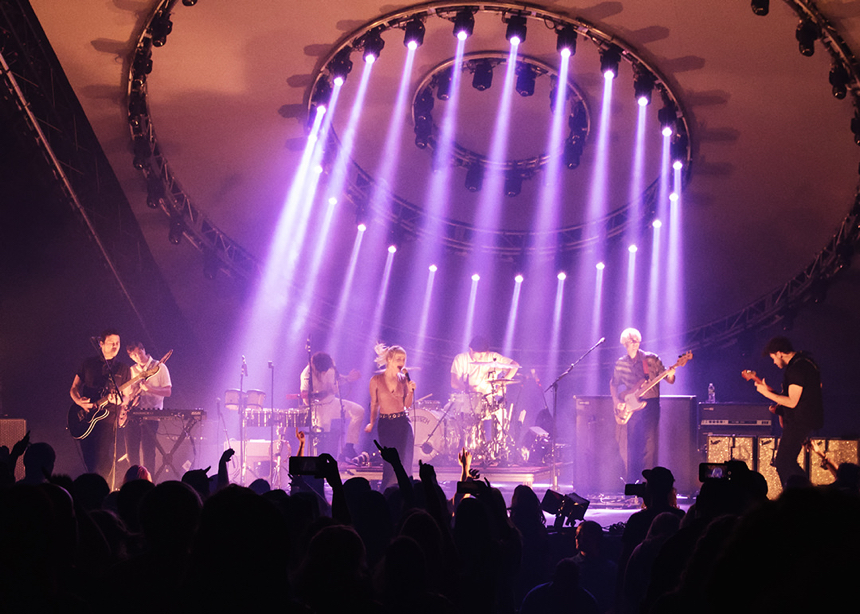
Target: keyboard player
150, 393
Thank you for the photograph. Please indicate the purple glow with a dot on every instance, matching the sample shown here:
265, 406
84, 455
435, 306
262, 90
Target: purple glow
382, 294
657, 288
425, 311
555, 334
630, 287
470, 310
512, 317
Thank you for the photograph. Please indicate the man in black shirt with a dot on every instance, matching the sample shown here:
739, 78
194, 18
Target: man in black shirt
800, 405
99, 376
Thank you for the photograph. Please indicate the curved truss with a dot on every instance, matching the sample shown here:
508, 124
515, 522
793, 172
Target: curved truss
166, 193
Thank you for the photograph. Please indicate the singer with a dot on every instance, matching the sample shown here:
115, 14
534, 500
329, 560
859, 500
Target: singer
391, 392
637, 440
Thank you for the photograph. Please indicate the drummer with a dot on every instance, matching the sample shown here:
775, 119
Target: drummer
480, 370
327, 401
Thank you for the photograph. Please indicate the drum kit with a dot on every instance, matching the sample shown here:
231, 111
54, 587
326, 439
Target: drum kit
480, 422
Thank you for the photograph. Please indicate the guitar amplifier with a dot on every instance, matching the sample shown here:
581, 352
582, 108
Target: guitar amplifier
837, 451
739, 419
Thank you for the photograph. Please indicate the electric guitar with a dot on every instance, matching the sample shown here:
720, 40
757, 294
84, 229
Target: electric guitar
82, 421
826, 463
633, 399
775, 409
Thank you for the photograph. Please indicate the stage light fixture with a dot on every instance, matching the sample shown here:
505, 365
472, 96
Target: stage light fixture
643, 84
806, 34
142, 151
566, 40
519, 278
667, 116
482, 79
573, 148
600, 266
464, 24
189, 2
760, 7
442, 80
177, 229
476, 277
160, 28
855, 124
373, 44
433, 268
839, 79
413, 33
341, 65
513, 183
154, 192
632, 249
526, 77
423, 130
475, 177
656, 224
610, 58
678, 151
562, 275
322, 92
392, 248
423, 102
516, 31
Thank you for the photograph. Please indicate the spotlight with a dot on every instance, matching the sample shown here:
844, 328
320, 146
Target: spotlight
806, 34
423, 102
839, 80
760, 7
600, 266
413, 33
526, 76
464, 24
566, 40
855, 128
562, 275
577, 121
656, 224
609, 60
189, 2
361, 227
518, 279
361, 217
482, 79
573, 152
322, 92
341, 64
142, 151
142, 64
678, 150
667, 116
677, 165
476, 277
154, 191
643, 84
433, 268
442, 81
373, 44
177, 229
475, 177
392, 249
632, 249
332, 200
673, 197
423, 130
516, 32
513, 183
160, 27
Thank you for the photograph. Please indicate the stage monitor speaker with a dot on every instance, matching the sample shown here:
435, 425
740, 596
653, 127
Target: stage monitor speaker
12, 430
741, 419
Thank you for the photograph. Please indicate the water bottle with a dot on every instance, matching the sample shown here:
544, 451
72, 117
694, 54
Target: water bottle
712, 393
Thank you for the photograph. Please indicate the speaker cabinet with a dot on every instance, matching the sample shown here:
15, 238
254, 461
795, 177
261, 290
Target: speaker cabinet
837, 451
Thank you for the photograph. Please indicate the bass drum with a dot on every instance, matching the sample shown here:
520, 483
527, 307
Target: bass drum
433, 436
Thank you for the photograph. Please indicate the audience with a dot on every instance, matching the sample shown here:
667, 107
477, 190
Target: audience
204, 544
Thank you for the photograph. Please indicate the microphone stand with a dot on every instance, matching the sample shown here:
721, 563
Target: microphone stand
272, 427
554, 387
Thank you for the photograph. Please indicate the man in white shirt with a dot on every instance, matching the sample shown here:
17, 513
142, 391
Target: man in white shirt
477, 369
327, 402
150, 394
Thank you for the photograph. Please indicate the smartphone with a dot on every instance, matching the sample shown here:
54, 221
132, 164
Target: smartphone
306, 465
469, 487
713, 471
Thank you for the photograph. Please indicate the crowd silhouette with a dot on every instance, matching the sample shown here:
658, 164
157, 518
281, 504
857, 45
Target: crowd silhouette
203, 544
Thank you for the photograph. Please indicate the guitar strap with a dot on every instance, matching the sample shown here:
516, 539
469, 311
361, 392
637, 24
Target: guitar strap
645, 367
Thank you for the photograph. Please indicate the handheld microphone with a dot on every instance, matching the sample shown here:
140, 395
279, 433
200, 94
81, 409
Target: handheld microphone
406, 373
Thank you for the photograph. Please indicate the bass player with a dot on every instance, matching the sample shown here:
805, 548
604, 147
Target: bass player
637, 438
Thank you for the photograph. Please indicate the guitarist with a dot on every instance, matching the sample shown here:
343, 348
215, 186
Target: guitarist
99, 376
800, 404
148, 394
637, 440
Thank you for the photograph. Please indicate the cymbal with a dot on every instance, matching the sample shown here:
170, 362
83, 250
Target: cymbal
495, 364
505, 381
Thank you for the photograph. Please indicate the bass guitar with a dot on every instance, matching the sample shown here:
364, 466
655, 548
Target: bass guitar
777, 410
82, 421
633, 399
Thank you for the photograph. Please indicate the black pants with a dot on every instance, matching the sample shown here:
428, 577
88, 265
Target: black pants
790, 444
397, 434
638, 439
